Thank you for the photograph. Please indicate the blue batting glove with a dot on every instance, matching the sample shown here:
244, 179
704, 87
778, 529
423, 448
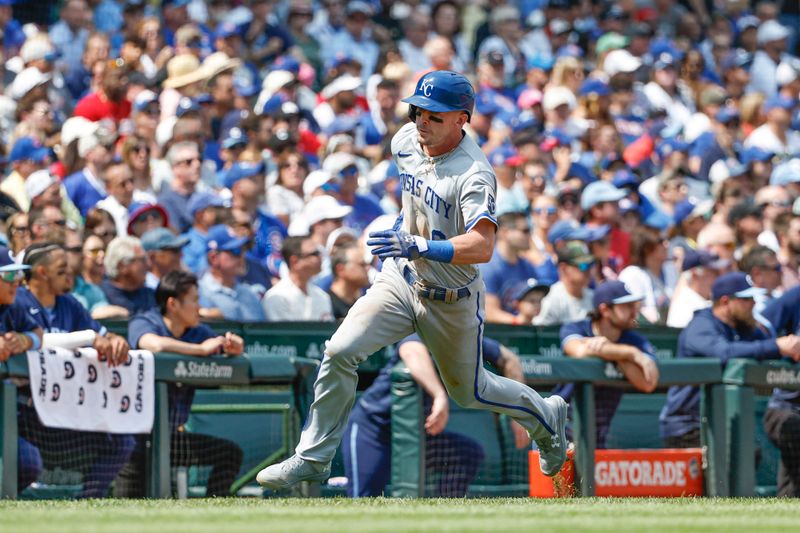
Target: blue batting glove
396, 243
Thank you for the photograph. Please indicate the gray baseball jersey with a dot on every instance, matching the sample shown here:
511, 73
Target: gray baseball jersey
443, 196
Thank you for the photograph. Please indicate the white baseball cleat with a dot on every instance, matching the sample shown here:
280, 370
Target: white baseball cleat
291, 471
553, 448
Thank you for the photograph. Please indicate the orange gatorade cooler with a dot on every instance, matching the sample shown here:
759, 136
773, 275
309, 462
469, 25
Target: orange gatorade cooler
665, 473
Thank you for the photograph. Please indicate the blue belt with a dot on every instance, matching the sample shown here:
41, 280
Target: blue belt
431, 292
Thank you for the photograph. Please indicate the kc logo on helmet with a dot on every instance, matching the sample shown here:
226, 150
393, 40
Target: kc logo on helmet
426, 87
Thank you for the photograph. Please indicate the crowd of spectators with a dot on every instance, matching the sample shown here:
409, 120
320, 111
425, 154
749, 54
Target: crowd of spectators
655, 143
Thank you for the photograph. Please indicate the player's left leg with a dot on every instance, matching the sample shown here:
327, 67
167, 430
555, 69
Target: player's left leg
383, 316
454, 334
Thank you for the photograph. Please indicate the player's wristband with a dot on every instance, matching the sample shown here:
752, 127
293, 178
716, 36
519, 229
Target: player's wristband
36, 342
441, 251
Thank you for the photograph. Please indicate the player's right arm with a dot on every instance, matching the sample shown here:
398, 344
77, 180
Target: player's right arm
157, 343
638, 368
416, 357
476, 245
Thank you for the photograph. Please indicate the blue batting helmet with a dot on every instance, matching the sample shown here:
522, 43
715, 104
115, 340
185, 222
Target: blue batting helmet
441, 91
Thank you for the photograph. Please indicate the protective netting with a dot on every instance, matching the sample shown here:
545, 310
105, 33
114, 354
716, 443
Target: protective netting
59, 462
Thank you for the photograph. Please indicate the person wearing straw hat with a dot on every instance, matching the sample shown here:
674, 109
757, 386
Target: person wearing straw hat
184, 78
220, 74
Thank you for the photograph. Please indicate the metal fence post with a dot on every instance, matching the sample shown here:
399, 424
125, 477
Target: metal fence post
408, 435
9, 451
740, 414
712, 433
160, 484
585, 434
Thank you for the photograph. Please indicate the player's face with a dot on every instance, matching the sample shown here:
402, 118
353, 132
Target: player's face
57, 273
439, 132
741, 310
623, 316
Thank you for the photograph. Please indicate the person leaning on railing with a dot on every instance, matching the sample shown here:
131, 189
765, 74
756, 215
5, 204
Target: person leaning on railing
17, 334
608, 333
728, 330
175, 327
66, 323
782, 418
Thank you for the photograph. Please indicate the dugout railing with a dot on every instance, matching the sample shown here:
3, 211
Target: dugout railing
285, 354
408, 435
743, 378
293, 373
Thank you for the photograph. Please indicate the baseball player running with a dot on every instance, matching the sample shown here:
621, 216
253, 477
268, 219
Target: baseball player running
429, 284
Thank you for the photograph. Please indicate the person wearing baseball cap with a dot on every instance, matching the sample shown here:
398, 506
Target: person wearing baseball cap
564, 231
43, 189
608, 334
570, 298
524, 298
143, 216
19, 332
204, 210
600, 204
772, 39
782, 318
726, 331
26, 157
163, 250
598, 239
506, 162
776, 134
699, 270
220, 286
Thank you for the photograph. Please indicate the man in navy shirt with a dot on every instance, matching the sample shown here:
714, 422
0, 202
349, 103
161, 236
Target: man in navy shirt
366, 448
782, 418
48, 303
17, 334
175, 327
126, 268
725, 331
47, 300
608, 334
507, 266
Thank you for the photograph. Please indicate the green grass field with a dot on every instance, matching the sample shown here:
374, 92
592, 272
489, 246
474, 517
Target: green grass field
395, 516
